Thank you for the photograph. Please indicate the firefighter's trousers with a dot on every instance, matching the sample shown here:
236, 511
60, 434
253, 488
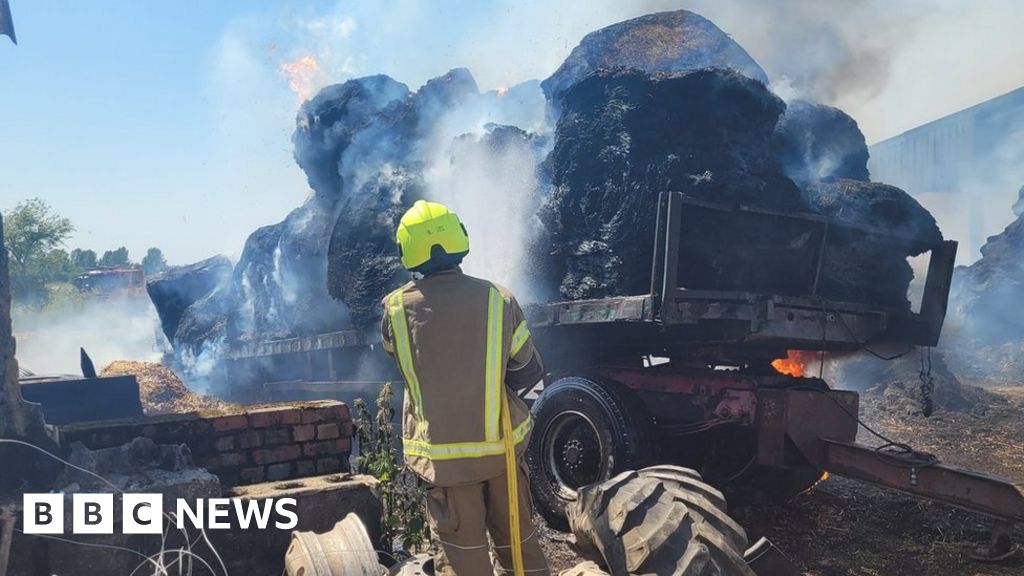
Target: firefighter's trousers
463, 516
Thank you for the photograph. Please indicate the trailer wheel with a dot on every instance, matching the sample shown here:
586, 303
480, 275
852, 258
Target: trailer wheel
585, 431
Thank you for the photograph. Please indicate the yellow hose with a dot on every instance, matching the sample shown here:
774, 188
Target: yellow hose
511, 472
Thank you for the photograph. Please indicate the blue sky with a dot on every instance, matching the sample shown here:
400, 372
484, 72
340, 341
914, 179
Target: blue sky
167, 122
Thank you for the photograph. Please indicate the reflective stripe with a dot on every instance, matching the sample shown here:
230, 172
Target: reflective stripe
464, 449
400, 328
519, 337
493, 369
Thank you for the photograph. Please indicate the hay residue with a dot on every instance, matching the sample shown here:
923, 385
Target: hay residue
161, 391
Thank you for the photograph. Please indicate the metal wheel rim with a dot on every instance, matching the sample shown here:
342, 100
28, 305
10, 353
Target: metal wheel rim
590, 465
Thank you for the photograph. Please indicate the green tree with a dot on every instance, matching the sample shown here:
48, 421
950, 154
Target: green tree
56, 266
153, 262
83, 259
32, 232
115, 258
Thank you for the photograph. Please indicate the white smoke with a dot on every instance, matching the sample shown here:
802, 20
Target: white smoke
115, 328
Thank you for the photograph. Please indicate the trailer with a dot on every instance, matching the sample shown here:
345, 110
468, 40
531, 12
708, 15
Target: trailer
683, 374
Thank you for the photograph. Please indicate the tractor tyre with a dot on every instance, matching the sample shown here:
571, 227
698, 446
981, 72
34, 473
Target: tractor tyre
646, 524
585, 431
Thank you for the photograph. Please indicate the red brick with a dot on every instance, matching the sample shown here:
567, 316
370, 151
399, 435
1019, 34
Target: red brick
274, 416
329, 413
327, 465
326, 447
276, 436
341, 412
250, 439
309, 415
225, 443
279, 454
225, 423
348, 428
327, 431
279, 471
253, 475
303, 433
305, 468
232, 459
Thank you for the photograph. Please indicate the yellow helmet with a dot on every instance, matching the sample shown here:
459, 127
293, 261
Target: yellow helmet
430, 231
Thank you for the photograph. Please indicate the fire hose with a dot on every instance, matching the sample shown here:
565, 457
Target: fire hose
511, 473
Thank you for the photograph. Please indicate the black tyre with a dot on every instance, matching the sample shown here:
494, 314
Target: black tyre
584, 432
658, 522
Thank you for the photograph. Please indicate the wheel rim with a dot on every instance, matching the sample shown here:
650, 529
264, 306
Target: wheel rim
573, 453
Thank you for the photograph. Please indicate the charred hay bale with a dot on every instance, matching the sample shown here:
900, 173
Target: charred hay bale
864, 268
985, 296
382, 171
281, 277
815, 142
624, 137
363, 260
175, 289
662, 42
327, 123
207, 319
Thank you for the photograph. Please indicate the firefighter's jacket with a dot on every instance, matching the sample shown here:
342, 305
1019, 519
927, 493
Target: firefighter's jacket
454, 336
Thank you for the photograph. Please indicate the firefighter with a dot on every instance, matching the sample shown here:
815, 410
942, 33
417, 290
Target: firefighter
462, 343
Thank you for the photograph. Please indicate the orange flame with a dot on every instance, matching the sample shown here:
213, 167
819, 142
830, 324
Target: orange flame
301, 74
793, 364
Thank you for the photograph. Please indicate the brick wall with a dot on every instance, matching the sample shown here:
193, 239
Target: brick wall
265, 443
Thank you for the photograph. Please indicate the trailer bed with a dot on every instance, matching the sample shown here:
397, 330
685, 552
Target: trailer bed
674, 320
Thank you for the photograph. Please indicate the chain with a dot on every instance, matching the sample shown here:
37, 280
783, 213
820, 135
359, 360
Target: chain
927, 383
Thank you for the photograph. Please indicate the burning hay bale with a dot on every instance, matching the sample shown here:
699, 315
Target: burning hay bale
815, 142
383, 174
986, 294
178, 287
282, 274
662, 42
328, 122
865, 268
625, 136
161, 391
986, 337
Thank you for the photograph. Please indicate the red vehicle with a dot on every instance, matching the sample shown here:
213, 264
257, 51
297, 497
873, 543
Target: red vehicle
111, 281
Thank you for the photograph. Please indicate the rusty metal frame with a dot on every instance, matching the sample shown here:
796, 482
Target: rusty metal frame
975, 491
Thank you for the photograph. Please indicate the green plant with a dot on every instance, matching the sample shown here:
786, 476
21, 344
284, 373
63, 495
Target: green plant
402, 497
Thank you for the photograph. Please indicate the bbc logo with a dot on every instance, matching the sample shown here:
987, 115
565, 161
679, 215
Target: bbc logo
92, 513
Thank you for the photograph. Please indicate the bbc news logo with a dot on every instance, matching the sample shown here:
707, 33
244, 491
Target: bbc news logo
94, 513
